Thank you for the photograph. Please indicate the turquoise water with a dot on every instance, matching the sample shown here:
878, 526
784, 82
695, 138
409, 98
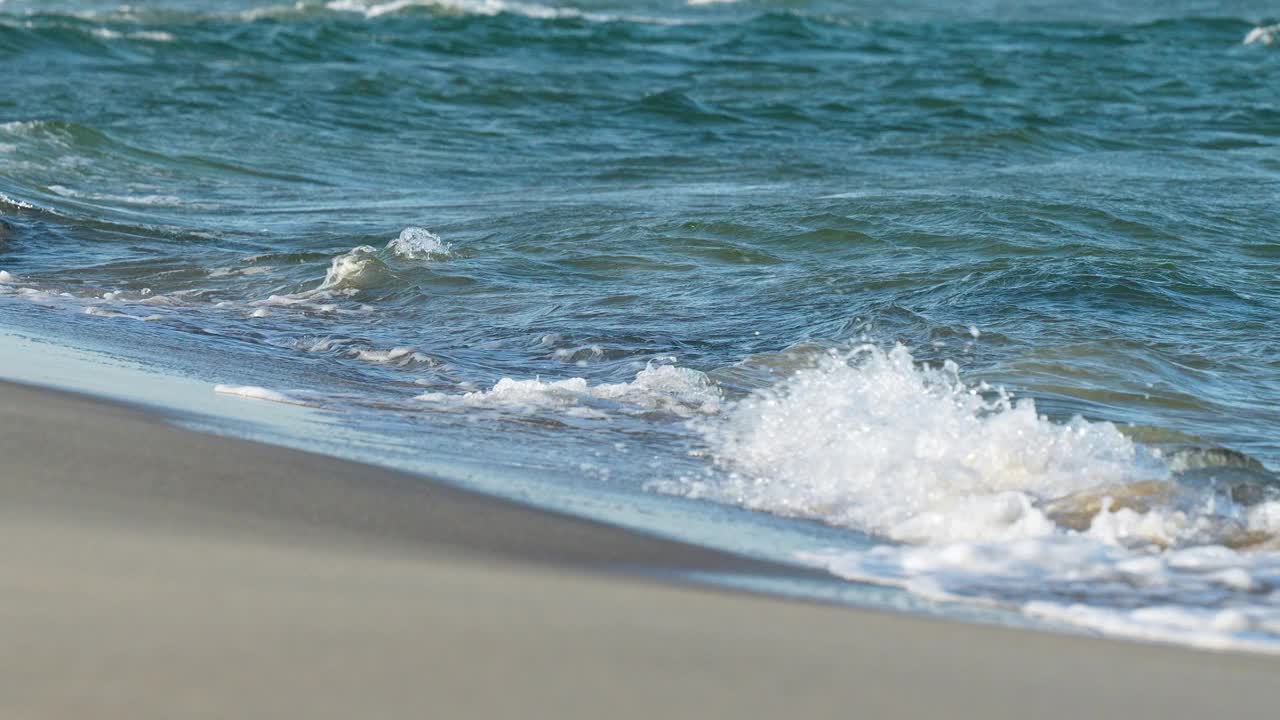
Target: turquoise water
652, 259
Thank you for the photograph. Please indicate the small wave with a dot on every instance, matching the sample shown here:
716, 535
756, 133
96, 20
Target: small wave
14, 203
254, 392
150, 35
356, 269
379, 8
99, 311
415, 243
304, 301
578, 355
1263, 35
665, 388
398, 356
156, 200
366, 267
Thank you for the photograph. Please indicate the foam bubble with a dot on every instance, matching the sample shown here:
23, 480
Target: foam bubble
7, 278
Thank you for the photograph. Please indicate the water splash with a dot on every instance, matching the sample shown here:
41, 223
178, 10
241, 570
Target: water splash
872, 442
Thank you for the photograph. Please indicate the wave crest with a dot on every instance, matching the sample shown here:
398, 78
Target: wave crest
872, 442
663, 388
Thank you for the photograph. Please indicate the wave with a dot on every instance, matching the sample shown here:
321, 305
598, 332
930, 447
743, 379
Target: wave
682, 392
874, 443
367, 267
253, 392
377, 8
415, 243
969, 494
396, 356
490, 8
1263, 35
121, 23
148, 35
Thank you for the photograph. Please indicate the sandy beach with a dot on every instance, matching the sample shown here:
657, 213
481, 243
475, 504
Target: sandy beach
155, 572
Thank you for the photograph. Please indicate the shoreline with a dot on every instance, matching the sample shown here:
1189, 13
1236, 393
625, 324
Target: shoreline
158, 572
229, 483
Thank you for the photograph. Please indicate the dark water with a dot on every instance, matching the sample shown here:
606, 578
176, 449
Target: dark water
641, 213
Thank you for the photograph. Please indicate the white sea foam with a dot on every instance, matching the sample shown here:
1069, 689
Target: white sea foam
664, 388
7, 278
151, 199
379, 8
967, 489
415, 243
152, 35
875, 443
363, 267
13, 202
254, 392
272, 11
1206, 596
1263, 35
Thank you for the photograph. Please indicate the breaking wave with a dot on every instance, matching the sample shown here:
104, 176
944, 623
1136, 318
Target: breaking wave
874, 443
968, 494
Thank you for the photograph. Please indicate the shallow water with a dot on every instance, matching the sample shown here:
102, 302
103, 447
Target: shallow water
854, 269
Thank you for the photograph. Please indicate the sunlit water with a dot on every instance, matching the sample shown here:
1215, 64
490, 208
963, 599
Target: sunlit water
978, 301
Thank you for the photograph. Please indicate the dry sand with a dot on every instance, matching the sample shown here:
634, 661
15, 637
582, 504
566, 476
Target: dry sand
154, 572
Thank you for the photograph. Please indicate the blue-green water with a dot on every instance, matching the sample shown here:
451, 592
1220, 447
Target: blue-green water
641, 241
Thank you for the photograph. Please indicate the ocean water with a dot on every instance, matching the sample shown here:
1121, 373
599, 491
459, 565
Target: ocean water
974, 305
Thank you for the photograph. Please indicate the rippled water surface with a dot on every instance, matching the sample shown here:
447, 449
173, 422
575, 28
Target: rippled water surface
974, 300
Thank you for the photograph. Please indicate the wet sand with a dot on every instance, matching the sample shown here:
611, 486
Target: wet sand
155, 572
